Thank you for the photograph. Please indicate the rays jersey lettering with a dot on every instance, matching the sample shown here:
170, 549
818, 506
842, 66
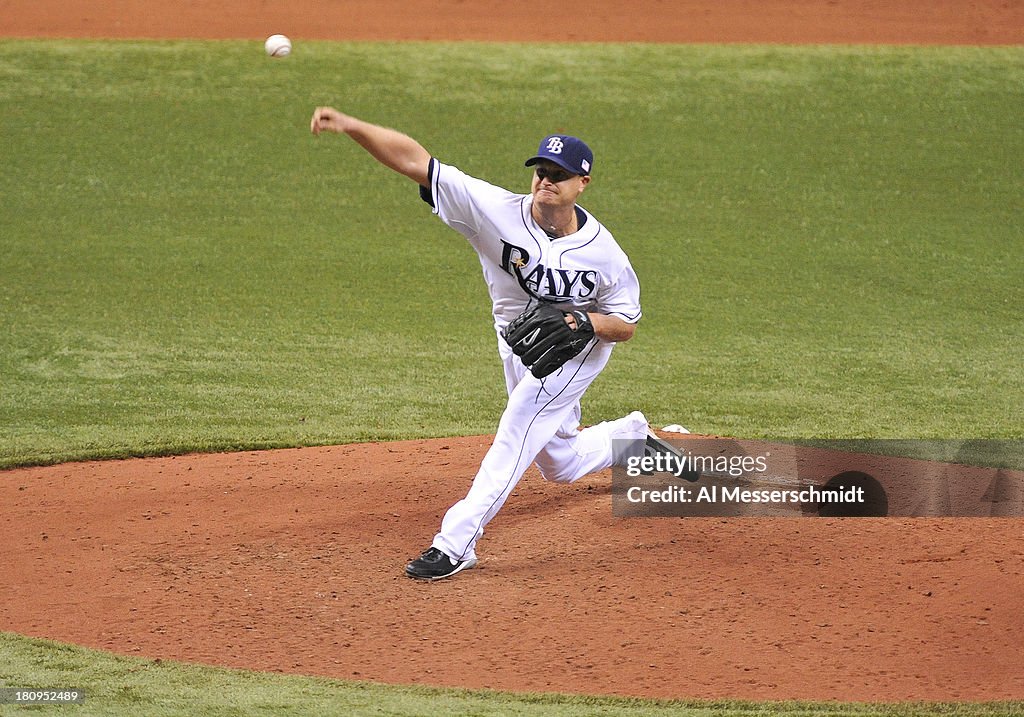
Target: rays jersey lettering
554, 284
520, 262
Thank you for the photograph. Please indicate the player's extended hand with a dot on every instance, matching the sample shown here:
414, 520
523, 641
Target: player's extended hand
329, 119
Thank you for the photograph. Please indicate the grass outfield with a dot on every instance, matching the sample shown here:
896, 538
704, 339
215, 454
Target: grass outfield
131, 686
829, 241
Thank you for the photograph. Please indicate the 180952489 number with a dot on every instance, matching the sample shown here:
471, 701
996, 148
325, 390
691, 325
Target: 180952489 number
35, 696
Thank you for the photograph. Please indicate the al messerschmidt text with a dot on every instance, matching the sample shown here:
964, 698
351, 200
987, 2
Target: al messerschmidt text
736, 494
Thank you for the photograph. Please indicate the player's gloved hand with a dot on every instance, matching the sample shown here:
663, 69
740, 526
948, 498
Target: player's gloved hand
544, 340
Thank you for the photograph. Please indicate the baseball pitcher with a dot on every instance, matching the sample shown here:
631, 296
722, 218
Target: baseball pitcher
563, 294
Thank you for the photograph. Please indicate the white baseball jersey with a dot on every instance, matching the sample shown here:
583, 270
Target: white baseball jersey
521, 262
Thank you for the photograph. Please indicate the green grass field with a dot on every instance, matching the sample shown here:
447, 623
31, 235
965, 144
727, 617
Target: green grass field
131, 686
830, 243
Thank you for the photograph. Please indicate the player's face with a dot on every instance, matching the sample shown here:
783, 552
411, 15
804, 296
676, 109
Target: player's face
554, 185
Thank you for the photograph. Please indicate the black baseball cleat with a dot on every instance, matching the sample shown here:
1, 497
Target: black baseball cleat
657, 446
435, 565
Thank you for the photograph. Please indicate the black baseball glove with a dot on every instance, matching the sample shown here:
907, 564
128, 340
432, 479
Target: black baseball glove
544, 341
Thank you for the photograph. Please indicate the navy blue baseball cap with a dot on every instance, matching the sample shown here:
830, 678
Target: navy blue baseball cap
570, 153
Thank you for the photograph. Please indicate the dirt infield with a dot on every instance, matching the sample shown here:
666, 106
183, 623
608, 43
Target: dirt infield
977, 22
291, 560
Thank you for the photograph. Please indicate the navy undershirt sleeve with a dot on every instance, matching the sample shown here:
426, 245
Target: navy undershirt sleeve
425, 193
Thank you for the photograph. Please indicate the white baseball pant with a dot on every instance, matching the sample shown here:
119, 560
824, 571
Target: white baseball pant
540, 423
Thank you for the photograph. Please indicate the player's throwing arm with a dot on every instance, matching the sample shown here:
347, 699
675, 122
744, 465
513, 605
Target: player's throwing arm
389, 147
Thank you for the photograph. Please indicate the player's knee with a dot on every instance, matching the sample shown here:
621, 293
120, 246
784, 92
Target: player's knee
560, 473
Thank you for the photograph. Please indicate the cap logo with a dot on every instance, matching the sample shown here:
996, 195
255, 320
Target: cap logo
586, 165
555, 145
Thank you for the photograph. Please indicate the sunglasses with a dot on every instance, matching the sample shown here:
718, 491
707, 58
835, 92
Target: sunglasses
554, 174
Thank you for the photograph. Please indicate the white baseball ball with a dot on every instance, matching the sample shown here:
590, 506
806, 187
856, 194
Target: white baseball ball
278, 46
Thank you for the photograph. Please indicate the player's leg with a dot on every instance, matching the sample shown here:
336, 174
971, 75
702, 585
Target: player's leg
573, 453
536, 410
